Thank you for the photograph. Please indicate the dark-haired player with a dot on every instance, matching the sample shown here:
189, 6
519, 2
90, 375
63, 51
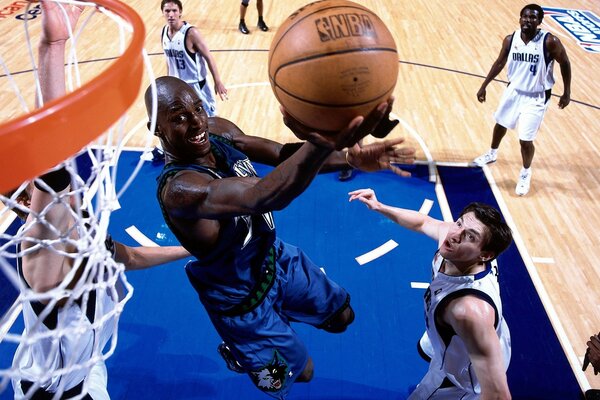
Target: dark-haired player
463, 309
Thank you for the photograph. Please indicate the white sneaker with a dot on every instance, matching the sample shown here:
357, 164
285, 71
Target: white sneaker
486, 158
523, 184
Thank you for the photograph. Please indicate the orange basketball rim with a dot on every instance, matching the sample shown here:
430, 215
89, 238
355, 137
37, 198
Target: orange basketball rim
35, 142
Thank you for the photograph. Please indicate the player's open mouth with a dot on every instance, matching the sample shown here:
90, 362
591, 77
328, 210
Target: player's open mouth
198, 139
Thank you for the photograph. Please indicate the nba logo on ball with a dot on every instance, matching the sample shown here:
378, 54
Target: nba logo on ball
331, 61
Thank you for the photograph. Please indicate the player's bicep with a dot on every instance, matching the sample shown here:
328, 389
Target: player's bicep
473, 320
192, 195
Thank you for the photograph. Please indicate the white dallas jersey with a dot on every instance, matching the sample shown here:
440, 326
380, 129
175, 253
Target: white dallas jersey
64, 338
189, 67
450, 351
528, 68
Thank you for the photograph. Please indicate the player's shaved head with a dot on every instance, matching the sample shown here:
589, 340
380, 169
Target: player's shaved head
166, 88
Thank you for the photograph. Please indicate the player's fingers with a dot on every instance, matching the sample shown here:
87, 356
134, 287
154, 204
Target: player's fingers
399, 171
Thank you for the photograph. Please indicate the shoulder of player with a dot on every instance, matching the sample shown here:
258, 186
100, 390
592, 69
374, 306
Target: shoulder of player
184, 188
224, 127
468, 310
193, 35
552, 42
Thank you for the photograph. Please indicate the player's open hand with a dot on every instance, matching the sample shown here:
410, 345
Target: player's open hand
58, 21
380, 156
365, 196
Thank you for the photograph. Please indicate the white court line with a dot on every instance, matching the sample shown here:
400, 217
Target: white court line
426, 207
419, 139
10, 217
419, 285
539, 286
140, 237
543, 260
376, 253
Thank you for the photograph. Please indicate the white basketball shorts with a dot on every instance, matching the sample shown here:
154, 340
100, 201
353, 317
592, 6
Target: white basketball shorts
523, 109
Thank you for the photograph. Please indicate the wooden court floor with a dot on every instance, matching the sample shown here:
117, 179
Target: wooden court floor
445, 48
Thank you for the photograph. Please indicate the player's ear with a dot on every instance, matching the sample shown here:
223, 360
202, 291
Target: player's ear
156, 131
486, 256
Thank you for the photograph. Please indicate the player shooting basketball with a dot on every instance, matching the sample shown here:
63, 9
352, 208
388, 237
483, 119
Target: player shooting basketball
251, 283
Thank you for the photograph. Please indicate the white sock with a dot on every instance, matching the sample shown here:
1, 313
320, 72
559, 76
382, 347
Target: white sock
493, 152
525, 171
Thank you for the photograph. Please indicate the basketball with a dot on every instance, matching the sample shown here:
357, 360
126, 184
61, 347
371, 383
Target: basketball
331, 61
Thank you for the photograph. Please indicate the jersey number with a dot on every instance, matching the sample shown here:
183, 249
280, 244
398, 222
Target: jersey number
533, 69
181, 63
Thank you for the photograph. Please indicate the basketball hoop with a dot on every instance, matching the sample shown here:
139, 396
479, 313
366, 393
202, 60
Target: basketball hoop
26, 148
35, 142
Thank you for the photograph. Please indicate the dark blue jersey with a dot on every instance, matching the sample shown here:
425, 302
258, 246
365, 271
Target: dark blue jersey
228, 271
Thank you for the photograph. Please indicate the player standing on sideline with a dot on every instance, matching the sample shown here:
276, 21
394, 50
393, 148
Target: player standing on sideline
261, 23
530, 53
463, 309
43, 268
188, 56
251, 283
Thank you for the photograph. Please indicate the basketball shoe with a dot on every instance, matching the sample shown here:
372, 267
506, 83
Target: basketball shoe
524, 182
486, 158
243, 28
261, 25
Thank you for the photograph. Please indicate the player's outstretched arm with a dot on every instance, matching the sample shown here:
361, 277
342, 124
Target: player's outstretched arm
142, 257
409, 219
44, 268
380, 156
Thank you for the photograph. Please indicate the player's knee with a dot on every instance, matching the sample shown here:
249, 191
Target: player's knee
307, 374
526, 144
340, 322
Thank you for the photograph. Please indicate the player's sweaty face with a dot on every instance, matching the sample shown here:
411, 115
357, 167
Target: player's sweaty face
184, 125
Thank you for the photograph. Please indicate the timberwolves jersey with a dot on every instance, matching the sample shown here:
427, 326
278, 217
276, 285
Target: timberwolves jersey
450, 352
187, 66
529, 66
228, 271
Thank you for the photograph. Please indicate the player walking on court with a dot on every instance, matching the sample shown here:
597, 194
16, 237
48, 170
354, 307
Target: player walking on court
530, 53
463, 309
188, 56
251, 283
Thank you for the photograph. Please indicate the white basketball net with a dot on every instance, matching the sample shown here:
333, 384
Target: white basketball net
95, 282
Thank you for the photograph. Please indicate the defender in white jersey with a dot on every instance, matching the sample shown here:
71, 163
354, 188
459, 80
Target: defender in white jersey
530, 53
469, 337
61, 337
188, 56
